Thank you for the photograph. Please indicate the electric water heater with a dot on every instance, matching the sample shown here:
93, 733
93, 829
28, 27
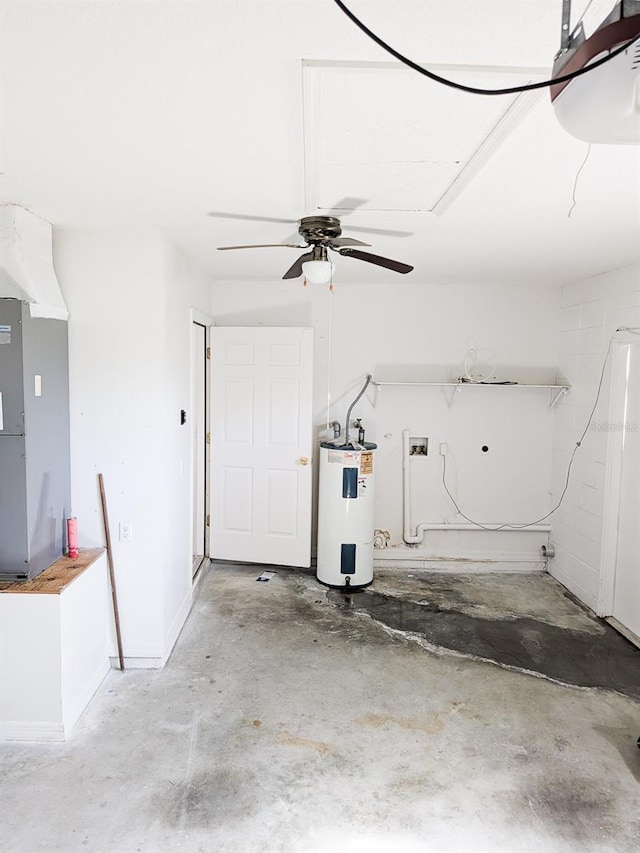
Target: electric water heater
345, 515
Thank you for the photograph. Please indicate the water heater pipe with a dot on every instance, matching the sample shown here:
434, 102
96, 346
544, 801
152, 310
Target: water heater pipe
346, 430
414, 539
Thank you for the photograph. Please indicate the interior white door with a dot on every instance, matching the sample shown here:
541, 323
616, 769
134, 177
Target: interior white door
261, 444
626, 596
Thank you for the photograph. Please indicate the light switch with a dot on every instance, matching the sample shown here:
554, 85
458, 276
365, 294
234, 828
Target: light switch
37, 385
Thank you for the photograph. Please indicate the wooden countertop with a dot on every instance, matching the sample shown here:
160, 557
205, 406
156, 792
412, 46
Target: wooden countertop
57, 577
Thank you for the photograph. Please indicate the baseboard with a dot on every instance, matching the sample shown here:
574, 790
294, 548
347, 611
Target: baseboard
84, 696
155, 661
410, 558
178, 623
39, 732
139, 655
622, 629
137, 662
197, 580
574, 588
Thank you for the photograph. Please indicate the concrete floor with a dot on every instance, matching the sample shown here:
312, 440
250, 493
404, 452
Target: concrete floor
291, 719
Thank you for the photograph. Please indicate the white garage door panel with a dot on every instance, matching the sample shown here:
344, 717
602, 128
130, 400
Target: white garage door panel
626, 606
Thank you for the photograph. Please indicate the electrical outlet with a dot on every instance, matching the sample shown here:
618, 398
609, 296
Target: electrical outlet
443, 448
126, 531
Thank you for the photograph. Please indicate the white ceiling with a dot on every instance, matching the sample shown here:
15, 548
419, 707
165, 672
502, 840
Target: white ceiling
145, 115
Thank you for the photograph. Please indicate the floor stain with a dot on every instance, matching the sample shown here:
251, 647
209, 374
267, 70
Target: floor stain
602, 659
491, 595
414, 785
318, 746
430, 726
626, 740
577, 807
203, 800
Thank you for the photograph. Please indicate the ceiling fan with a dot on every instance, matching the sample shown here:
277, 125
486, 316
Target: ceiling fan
322, 233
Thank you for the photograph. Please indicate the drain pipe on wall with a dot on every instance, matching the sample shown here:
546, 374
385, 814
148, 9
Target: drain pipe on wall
423, 527
409, 538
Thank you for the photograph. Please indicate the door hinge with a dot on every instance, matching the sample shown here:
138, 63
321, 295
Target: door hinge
208, 352
208, 520
208, 438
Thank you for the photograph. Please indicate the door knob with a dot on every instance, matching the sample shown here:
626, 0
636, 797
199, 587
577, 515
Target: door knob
304, 460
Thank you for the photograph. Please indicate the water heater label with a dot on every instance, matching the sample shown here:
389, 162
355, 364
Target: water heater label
366, 463
343, 457
5, 334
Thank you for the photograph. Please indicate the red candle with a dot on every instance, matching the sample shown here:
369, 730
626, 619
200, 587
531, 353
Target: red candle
72, 537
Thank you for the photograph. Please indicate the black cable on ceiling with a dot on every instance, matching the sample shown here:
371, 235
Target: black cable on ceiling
511, 90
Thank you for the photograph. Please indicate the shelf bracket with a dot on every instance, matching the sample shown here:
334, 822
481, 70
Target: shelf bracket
555, 394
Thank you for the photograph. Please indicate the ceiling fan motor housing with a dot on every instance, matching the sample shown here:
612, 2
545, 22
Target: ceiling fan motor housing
319, 229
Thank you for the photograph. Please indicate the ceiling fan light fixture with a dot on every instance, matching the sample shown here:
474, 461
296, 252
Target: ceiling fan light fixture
318, 272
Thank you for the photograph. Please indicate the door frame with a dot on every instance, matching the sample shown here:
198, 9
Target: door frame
613, 474
202, 319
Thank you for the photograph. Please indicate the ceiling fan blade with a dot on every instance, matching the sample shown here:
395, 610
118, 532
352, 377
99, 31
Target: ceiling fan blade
348, 205
295, 270
263, 246
345, 206
353, 202
219, 215
383, 231
347, 241
389, 264
291, 237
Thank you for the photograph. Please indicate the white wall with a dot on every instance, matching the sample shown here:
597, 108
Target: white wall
185, 288
129, 327
415, 332
591, 311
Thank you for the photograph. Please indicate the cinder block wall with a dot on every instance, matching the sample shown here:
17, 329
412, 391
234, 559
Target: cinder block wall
591, 311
